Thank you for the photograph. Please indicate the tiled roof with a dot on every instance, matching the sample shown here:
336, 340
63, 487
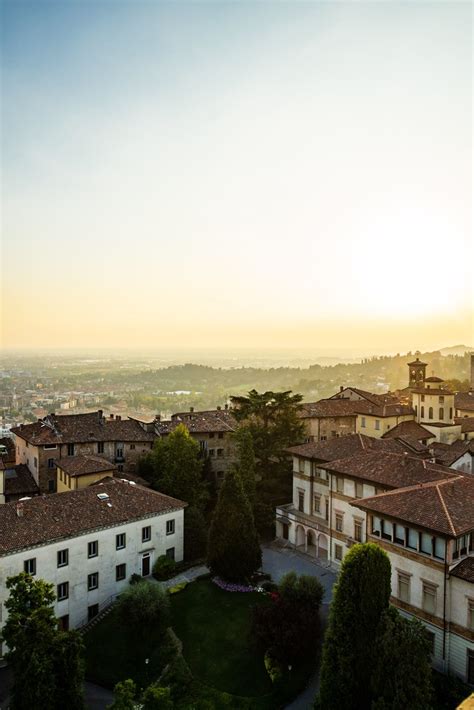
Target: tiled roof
410, 429
464, 570
344, 446
19, 481
464, 400
368, 396
447, 454
391, 409
442, 506
62, 515
215, 420
82, 465
467, 423
390, 469
81, 428
329, 408
433, 379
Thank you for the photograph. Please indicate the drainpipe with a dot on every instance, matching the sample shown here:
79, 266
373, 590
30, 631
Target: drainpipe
330, 520
311, 487
444, 598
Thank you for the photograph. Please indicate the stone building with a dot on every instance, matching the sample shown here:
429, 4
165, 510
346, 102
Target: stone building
88, 543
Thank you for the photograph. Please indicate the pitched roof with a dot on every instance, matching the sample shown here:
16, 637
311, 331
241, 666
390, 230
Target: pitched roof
390, 469
447, 454
410, 429
329, 408
368, 396
444, 506
83, 465
464, 400
389, 409
344, 446
63, 515
433, 379
81, 428
214, 420
19, 481
464, 570
467, 423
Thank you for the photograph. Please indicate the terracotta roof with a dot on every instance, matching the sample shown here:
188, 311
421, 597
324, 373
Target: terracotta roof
464, 570
410, 429
390, 469
344, 446
80, 428
368, 396
447, 454
19, 481
442, 506
215, 420
9, 444
329, 408
384, 410
467, 423
62, 515
433, 379
464, 400
83, 465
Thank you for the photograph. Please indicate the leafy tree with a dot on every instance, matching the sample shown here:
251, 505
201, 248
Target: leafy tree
289, 627
233, 550
361, 595
157, 698
46, 662
401, 676
195, 534
124, 696
246, 462
143, 605
174, 467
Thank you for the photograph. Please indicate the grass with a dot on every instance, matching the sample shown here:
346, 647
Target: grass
214, 627
114, 653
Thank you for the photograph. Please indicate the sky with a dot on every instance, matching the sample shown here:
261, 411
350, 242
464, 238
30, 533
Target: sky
237, 174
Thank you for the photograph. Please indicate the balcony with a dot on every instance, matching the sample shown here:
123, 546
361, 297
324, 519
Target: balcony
315, 521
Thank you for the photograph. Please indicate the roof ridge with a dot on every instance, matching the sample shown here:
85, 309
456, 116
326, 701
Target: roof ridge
446, 512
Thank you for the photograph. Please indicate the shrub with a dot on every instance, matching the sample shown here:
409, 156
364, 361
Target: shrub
157, 698
136, 578
164, 568
273, 668
142, 605
177, 588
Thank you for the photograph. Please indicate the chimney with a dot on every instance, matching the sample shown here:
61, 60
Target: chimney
118, 417
99, 414
19, 510
218, 407
191, 409
157, 417
226, 407
341, 388
111, 416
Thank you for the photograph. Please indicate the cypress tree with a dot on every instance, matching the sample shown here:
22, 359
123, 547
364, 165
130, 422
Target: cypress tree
361, 595
246, 463
233, 550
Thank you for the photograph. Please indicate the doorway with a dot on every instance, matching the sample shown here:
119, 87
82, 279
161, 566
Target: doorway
146, 564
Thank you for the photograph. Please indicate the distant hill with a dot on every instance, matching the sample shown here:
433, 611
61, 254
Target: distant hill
456, 350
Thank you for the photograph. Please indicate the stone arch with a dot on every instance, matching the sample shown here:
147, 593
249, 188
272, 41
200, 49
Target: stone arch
300, 537
322, 547
311, 542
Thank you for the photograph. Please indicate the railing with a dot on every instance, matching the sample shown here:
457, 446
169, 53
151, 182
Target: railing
103, 606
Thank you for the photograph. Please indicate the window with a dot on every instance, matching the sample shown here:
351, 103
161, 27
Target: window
322, 438
387, 530
439, 548
359, 489
170, 553
212, 452
301, 501
92, 611
422, 398
422, 412
339, 521
35, 462
470, 614
470, 666
339, 484
93, 549
63, 558
119, 452
338, 552
377, 424
92, 581
426, 544
120, 467
376, 525
100, 447
120, 572
358, 530
441, 413
399, 532
413, 539
220, 452
70, 449
211, 435
441, 399
62, 591
301, 465
146, 534
326, 512
51, 485
29, 566
48, 447
430, 413
220, 475
404, 587
120, 541
431, 640
362, 422
450, 412
170, 527
132, 446
63, 622
317, 503
429, 598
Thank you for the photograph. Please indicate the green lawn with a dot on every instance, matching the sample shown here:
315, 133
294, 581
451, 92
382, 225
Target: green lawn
214, 627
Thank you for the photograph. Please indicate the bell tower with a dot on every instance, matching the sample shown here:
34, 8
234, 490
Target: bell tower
417, 373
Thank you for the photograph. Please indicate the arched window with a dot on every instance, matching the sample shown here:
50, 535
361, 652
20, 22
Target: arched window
441, 413
430, 413
422, 412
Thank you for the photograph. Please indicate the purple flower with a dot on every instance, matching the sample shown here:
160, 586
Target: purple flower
230, 586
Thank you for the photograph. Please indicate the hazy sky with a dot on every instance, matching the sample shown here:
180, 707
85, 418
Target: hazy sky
292, 174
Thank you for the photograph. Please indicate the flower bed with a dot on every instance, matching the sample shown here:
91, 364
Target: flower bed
230, 587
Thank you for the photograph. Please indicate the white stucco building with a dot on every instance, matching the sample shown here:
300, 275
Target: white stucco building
88, 543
